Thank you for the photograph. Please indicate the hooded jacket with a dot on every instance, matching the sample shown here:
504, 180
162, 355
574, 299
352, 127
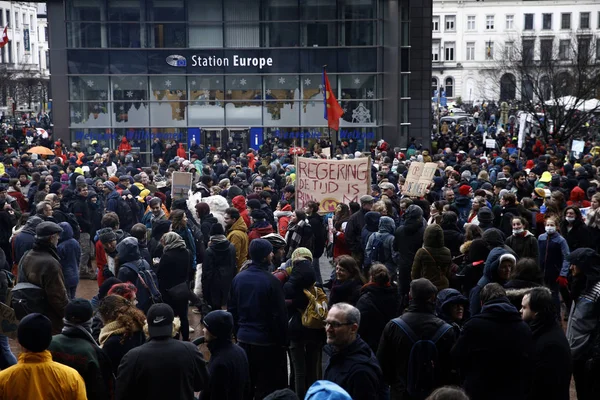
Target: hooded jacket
239, 202
377, 305
129, 252
181, 153
218, 270
283, 219
124, 147
490, 274
238, 237
69, 252
493, 351
433, 260
525, 245
386, 253
408, 238
445, 298
24, 240
371, 226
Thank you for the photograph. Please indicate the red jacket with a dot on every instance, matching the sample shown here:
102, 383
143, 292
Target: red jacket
239, 202
257, 233
181, 153
124, 147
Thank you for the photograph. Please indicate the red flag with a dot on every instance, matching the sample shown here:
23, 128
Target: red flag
333, 111
4, 39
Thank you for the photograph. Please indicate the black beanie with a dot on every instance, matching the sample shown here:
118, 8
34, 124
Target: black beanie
216, 229
106, 285
160, 227
35, 332
79, 311
219, 323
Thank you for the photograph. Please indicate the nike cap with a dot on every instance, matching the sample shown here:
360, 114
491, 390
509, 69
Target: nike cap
160, 320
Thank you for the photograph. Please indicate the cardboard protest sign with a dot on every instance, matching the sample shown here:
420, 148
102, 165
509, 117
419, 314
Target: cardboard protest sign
418, 179
182, 183
331, 182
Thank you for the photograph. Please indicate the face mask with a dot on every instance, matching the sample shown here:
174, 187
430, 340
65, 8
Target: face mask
570, 219
550, 229
517, 231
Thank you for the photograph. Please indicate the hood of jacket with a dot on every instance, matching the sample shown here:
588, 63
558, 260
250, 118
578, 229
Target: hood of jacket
413, 218
490, 270
67, 232
577, 194
239, 225
493, 238
386, 225
239, 202
500, 309
462, 201
219, 243
447, 297
325, 390
128, 250
31, 224
372, 221
433, 236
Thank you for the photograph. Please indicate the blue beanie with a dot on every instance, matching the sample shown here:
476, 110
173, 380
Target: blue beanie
325, 390
260, 249
499, 160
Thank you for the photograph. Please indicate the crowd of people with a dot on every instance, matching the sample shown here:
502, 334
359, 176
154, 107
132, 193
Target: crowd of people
461, 293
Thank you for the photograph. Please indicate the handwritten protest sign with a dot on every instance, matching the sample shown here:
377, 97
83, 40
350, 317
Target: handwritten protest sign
331, 182
182, 183
418, 178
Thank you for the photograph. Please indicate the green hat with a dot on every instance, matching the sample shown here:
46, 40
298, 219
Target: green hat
302, 253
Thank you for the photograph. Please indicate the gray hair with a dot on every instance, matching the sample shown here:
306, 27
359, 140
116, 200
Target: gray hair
491, 291
39, 209
350, 312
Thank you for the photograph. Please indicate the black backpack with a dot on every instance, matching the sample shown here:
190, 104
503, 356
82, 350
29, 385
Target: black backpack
27, 298
72, 220
124, 213
146, 285
422, 362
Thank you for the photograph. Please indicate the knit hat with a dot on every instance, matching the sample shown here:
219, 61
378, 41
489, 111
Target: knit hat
466, 175
253, 204
326, 390
160, 227
106, 235
485, 215
219, 323
464, 190
35, 332
260, 249
422, 290
546, 177
302, 253
80, 180
529, 164
57, 186
540, 192
47, 229
79, 311
217, 229
110, 185
258, 214
234, 191
114, 179
106, 286
507, 256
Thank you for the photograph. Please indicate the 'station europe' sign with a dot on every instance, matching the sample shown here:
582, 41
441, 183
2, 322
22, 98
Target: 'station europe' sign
176, 60
331, 182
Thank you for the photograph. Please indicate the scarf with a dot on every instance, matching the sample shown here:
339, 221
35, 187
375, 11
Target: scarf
84, 328
172, 241
110, 329
296, 237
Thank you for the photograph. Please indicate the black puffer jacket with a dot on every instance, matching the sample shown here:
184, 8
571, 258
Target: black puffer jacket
320, 234
408, 238
218, 271
377, 306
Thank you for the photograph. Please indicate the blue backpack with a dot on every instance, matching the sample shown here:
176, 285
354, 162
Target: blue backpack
422, 362
146, 285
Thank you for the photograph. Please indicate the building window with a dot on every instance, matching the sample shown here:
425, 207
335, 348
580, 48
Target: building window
597, 49
547, 21
449, 87
8, 17
471, 23
509, 50
489, 50
489, 22
435, 24
435, 51
471, 51
528, 50
528, 22
449, 51
565, 21
584, 20
563, 49
17, 21
583, 49
510, 22
2, 18
434, 86
546, 49
450, 23
598, 19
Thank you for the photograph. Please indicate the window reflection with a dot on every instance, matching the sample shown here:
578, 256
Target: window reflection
207, 95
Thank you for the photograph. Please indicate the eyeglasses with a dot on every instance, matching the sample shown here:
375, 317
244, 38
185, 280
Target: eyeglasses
335, 324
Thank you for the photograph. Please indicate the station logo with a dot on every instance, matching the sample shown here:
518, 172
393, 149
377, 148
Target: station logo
176, 61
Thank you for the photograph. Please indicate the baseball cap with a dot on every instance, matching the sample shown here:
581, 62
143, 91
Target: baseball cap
160, 320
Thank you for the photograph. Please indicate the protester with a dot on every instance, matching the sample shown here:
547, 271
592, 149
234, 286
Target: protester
219, 268
433, 261
69, 253
345, 287
236, 234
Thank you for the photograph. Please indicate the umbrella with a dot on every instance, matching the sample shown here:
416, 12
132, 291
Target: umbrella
589, 105
567, 102
41, 132
41, 150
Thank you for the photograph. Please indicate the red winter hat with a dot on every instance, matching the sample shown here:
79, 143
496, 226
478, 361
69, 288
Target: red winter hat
464, 190
529, 164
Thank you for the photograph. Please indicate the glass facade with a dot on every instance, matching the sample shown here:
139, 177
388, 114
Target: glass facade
196, 67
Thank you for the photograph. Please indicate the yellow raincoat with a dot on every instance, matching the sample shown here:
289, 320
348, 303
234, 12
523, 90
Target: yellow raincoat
36, 376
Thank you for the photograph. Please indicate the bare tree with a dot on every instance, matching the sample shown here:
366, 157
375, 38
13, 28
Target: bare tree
541, 72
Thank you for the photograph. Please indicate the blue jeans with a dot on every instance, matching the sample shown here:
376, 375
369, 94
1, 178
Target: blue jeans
7, 358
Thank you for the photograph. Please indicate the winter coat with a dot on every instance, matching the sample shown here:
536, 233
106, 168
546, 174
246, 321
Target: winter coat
130, 253
76, 348
22, 242
320, 235
490, 274
112, 201
433, 260
371, 226
36, 376
115, 350
239, 202
229, 372
238, 237
408, 238
493, 353
463, 204
218, 271
160, 369
550, 360
385, 254
347, 291
69, 252
395, 348
578, 237
81, 210
355, 369
258, 307
553, 251
258, 230
525, 245
516, 289
446, 298
353, 231
174, 268
283, 219
305, 239
302, 277
377, 306
41, 267
453, 239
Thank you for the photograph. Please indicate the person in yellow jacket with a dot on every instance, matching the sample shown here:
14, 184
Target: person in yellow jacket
36, 376
237, 234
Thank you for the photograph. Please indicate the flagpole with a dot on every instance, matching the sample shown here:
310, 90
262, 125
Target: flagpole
332, 146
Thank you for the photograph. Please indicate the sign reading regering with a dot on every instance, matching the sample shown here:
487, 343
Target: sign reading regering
331, 182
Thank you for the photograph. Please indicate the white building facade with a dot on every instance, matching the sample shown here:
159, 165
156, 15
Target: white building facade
470, 36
